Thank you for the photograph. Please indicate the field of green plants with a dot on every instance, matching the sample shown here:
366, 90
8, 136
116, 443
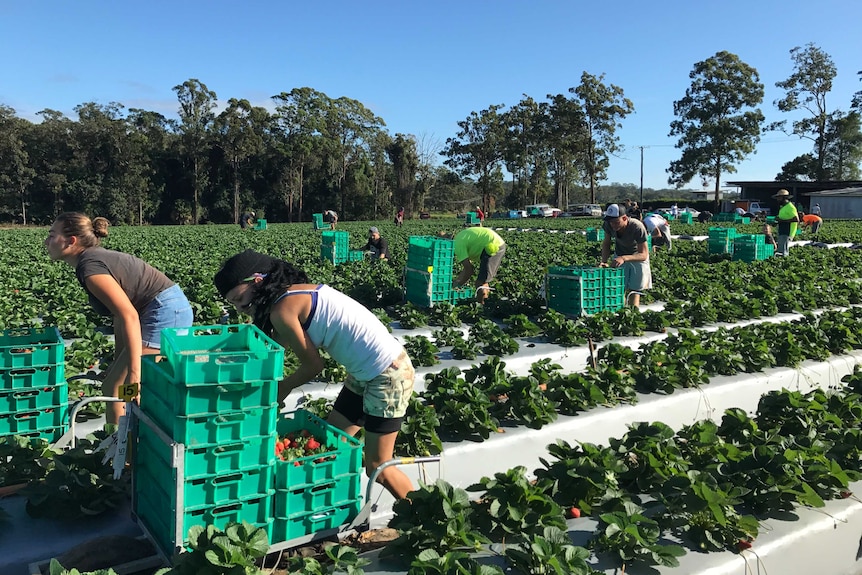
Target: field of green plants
704, 487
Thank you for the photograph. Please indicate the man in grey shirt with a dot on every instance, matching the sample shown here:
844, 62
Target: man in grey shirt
630, 250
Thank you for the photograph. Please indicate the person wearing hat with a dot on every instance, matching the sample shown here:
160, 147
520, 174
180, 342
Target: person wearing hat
305, 318
786, 219
816, 210
377, 245
659, 229
630, 250
481, 246
331, 218
246, 220
480, 214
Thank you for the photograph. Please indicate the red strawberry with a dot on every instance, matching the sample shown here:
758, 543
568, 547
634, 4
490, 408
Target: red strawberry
846, 494
743, 544
296, 463
573, 512
313, 444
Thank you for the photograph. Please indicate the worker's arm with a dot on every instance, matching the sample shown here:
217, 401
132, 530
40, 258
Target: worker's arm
641, 255
606, 248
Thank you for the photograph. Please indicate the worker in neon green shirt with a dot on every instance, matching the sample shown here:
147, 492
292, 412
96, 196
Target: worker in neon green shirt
787, 221
483, 246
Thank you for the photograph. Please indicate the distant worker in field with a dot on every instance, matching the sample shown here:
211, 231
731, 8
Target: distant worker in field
813, 221
740, 211
768, 237
634, 211
480, 246
704, 216
659, 229
480, 214
816, 210
377, 245
399, 218
630, 251
246, 220
674, 211
787, 220
330, 217
141, 299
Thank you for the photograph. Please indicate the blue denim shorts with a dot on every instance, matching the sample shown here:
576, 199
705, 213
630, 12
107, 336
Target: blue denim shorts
168, 309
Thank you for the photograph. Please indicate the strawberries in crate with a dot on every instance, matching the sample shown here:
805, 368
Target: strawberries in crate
295, 446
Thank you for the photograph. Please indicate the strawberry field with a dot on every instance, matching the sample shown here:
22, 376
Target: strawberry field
727, 406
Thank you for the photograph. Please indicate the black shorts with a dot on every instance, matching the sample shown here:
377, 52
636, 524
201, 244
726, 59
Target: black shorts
349, 405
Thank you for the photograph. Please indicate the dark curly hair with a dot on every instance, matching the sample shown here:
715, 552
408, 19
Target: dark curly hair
278, 278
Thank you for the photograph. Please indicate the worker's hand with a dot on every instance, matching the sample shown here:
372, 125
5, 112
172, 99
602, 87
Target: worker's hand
603, 264
618, 261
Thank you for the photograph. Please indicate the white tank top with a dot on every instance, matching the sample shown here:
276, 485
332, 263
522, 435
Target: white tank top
349, 332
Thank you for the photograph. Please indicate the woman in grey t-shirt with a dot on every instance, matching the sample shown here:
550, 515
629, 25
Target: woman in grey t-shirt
141, 299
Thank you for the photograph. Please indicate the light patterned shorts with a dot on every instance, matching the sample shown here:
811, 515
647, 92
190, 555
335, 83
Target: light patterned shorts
388, 394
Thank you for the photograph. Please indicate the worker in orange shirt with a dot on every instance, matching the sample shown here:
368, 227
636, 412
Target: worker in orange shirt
812, 220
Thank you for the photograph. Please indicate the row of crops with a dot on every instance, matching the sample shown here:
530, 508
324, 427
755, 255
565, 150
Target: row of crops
700, 507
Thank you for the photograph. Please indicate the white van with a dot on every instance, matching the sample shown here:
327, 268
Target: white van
590, 210
541, 211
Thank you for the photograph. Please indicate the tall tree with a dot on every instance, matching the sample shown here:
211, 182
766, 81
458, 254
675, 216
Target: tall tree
857, 97
51, 154
565, 131
427, 151
405, 164
478, 148
806, 89
604, 106
238, 132
718, 121
197, 103
16, 173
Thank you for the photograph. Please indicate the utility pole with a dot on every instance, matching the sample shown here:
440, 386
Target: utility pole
642, 174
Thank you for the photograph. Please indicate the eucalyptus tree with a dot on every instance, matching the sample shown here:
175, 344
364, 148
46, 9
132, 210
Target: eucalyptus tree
428, 151
153, 133
197, 103
567, 135
478, 149
300, 121
348, 128
604, 107
718, 121
806, 89
843, 151
382, 179
857, 97
239, 132
525, 149
405, 165
16, 173
51, 157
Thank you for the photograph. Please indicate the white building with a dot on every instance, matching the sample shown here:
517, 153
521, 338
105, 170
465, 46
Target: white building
845, 203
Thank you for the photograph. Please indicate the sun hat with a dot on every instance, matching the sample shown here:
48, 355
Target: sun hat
239, 268
781, 194
373, 231
614, 211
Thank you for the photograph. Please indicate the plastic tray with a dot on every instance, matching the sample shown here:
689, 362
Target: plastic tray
205, 461
33, 399
32, 377
222, 354
50, 434
345, 459
158, 382
287, 528
26, 421
326, 494
31, 347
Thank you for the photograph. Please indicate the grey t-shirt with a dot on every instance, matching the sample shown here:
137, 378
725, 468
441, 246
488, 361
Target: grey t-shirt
141, 281
626, 242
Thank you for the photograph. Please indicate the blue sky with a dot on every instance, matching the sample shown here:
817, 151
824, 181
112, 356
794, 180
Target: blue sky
422, 66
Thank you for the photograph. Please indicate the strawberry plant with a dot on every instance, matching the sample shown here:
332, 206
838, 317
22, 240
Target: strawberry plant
418, 435
54, 568
411, 317
447, 336
444, 315
340, 559
580, 476
512, 508
421, 350
631, 537
558, 329
465, 349
430, 562
519, 325
233, 551
321, 406
549, 552
23, 459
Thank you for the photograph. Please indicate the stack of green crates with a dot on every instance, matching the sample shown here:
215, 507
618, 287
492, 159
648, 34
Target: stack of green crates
595, 234
462, 294
685, 217
34, 395
613, 289
584, 290
335, 246
725, 217
752, 247
318, 222
428, 274
355, 255
472, 219
213, 397
260, 225
720, 240
316, 493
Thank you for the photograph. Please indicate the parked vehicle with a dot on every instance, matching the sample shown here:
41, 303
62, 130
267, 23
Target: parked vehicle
752, 207
542, 211
589, 210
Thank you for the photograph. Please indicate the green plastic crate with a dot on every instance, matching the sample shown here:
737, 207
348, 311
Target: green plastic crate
49, 434
323, 495
162, 523
313, 470
685, 217
289, 528
356, 255
720, 233
335, 237
334, 255
595, 234
260, 225
222, 354
205, 461
425, 251
158, 381
751, 253
34, 399
35, 420
31, 347
724, 246
212, 428
33, 377
156, 481
425, 289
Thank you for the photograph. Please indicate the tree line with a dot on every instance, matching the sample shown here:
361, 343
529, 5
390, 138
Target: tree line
313, 152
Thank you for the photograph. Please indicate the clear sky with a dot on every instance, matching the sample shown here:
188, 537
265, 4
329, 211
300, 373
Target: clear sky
423, 66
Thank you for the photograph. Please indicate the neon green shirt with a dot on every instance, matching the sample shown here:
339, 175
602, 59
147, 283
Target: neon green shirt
471, 242
788, 211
